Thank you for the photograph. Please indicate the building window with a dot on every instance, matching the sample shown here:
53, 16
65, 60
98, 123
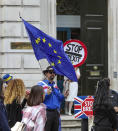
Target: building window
68, 7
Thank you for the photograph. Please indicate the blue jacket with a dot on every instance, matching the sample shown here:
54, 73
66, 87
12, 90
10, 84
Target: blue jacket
3, 118
53, 100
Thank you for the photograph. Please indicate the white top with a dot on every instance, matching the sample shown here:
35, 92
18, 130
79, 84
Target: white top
72, 87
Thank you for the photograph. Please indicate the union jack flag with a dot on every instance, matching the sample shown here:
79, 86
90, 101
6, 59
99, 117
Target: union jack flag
83, 106
46, 86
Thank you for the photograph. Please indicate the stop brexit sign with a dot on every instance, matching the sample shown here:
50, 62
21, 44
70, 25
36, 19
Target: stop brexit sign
83, 106
76, 51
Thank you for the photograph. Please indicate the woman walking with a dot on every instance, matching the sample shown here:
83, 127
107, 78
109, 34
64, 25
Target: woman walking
104, 113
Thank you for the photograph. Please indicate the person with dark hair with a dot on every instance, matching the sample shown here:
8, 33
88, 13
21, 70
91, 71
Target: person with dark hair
53, 99
3, 114
34, 116
103, 111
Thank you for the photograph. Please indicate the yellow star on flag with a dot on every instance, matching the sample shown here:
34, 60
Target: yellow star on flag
55, 51
49, 45
59, 57
59, 62
44, 40
37, 40
52, 64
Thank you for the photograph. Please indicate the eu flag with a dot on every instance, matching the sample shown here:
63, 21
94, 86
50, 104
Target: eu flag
45, 46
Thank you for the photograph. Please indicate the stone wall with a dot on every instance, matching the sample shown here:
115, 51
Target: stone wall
113, 43
21, 63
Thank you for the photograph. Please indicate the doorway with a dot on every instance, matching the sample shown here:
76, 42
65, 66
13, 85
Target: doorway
86, 20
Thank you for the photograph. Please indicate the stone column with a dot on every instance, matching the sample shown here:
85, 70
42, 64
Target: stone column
48, 17
113, 42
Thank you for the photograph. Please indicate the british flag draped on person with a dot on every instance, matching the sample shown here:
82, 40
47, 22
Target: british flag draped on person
46, 47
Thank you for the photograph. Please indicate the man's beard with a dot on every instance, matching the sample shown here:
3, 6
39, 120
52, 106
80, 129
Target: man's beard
51, 78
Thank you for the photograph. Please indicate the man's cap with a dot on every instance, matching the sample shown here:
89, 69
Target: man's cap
7, 77
47, 69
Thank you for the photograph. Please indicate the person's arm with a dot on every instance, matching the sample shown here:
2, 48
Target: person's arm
46, 88
115, 94
23, 103
58, 94
116, 109
78, 73
3, 120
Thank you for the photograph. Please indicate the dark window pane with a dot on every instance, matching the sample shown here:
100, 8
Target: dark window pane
68, 7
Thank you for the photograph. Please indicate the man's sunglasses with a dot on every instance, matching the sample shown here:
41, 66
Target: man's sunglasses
51, 72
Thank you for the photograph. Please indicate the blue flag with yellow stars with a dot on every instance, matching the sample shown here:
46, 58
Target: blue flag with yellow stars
45, 46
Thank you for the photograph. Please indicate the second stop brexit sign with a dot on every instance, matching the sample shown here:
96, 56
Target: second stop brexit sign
83, 106
76, 51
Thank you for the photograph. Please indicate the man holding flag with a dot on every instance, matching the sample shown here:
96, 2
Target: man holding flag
53, 99
46, 47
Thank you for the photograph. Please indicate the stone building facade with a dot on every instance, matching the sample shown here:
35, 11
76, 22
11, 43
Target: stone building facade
21, 62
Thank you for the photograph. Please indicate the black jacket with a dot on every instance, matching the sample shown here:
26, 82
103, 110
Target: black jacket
3, 118
14, 112
105, 117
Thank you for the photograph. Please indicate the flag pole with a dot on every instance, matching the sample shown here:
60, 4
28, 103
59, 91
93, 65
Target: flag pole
38, 60
20, 16
41, 67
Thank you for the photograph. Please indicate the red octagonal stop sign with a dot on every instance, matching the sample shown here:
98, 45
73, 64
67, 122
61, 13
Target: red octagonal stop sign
87, 106
83, 106
76, 51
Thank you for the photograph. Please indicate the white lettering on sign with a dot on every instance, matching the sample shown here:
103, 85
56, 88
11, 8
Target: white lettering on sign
88, 106
88, 103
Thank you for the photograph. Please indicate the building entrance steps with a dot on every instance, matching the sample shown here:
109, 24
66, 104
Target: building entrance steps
69, 123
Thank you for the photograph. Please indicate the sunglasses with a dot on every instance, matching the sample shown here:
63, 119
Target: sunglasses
51, 72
